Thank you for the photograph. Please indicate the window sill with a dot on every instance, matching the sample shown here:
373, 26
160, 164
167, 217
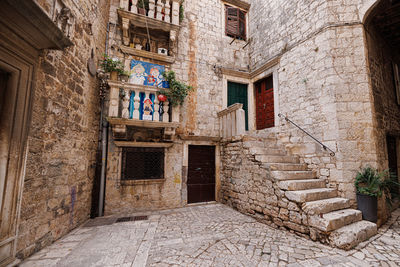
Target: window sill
142, 182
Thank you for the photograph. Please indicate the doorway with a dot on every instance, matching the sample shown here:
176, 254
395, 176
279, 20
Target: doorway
392, 158
15, 85
265, 115
237, 93
201, 174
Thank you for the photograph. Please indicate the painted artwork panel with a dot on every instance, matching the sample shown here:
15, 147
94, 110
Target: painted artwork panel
145, 73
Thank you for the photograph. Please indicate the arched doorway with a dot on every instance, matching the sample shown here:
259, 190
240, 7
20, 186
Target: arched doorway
382, 33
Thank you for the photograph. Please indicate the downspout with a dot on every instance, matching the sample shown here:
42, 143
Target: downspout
104, 145
104, 135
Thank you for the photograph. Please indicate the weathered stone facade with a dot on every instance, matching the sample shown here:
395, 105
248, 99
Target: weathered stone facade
331, 75
64, 130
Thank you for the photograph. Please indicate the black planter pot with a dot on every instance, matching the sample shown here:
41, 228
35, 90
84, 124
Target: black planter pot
368, 206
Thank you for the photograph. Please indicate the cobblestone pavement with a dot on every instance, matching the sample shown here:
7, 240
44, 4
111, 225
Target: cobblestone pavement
209, 235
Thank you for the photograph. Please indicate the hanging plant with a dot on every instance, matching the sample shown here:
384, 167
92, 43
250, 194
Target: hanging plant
109, 65
181, 12
177, 91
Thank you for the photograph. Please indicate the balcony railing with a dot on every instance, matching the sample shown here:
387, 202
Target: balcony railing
232, 121
135, 103
167, 10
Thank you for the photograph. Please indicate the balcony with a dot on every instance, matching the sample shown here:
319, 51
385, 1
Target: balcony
160, 21
137, 106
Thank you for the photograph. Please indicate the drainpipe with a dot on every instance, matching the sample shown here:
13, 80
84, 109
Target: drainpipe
104, 131
104, 144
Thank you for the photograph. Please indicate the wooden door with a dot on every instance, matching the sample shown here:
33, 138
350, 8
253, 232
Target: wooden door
237, 93
265, 116
201, 174
392, 158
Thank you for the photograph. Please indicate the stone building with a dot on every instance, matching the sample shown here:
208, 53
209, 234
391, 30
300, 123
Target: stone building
256, 67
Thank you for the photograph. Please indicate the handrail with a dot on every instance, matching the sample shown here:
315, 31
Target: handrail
332, 153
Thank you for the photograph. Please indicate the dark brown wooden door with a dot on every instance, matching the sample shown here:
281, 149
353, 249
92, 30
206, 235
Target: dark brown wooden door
392, 158
265, 104
201, 174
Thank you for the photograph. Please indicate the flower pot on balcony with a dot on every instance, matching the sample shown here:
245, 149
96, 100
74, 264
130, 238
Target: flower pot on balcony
368, 205
114, 75
124, 77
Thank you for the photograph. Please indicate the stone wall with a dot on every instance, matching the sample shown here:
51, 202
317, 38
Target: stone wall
146, 195
203, 49
63, 135
323, 83
247, 185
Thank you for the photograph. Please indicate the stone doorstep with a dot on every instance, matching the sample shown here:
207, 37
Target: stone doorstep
267, 151
325, 205
277, 159
293, 175
286, 166
335, 219
294, 185
310, 194
349, 236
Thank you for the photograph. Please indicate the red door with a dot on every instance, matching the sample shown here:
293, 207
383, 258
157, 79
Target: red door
265, 104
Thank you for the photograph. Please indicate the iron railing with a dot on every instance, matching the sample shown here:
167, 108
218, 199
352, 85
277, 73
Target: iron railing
332, 153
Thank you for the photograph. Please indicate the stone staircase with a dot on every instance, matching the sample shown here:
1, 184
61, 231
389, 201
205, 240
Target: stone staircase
330, 218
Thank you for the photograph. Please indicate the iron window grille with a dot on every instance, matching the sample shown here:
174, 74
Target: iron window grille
142, 163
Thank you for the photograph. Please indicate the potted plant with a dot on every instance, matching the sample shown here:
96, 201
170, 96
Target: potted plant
112, 66
124, 76
143, 6
177, 91
370, 185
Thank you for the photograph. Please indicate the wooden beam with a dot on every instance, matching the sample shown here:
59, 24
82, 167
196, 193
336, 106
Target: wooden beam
146, 54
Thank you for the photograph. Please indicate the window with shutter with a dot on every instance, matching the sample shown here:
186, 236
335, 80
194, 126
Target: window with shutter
235, 23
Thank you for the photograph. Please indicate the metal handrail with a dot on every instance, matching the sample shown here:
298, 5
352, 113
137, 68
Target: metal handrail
332, 153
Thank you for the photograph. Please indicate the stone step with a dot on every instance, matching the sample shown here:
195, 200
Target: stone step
335, 219
351, 235
302, 196
325, 205
293, 175
286, 166
293, 185
277, 159
267, 151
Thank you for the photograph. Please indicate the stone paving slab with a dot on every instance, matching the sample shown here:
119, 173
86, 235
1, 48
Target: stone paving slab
208, 235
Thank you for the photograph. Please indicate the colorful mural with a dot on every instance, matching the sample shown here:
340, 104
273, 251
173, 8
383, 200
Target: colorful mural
145, 73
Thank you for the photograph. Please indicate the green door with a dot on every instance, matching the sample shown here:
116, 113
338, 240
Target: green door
237, 93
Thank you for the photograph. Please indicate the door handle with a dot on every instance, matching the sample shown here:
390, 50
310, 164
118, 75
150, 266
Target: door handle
264, 106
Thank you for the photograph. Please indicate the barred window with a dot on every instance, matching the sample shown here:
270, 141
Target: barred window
142, 163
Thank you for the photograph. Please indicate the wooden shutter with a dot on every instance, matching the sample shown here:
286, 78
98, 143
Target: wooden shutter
232, 21
235, 22
242, 25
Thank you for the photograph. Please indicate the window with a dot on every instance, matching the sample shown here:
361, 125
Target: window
235, 25
142, 163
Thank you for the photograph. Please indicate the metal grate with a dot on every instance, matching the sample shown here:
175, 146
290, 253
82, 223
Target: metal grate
140, 163
130, 219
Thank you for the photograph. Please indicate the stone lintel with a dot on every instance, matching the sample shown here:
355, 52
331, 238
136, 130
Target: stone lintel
142, 123
142, 144
239, 3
